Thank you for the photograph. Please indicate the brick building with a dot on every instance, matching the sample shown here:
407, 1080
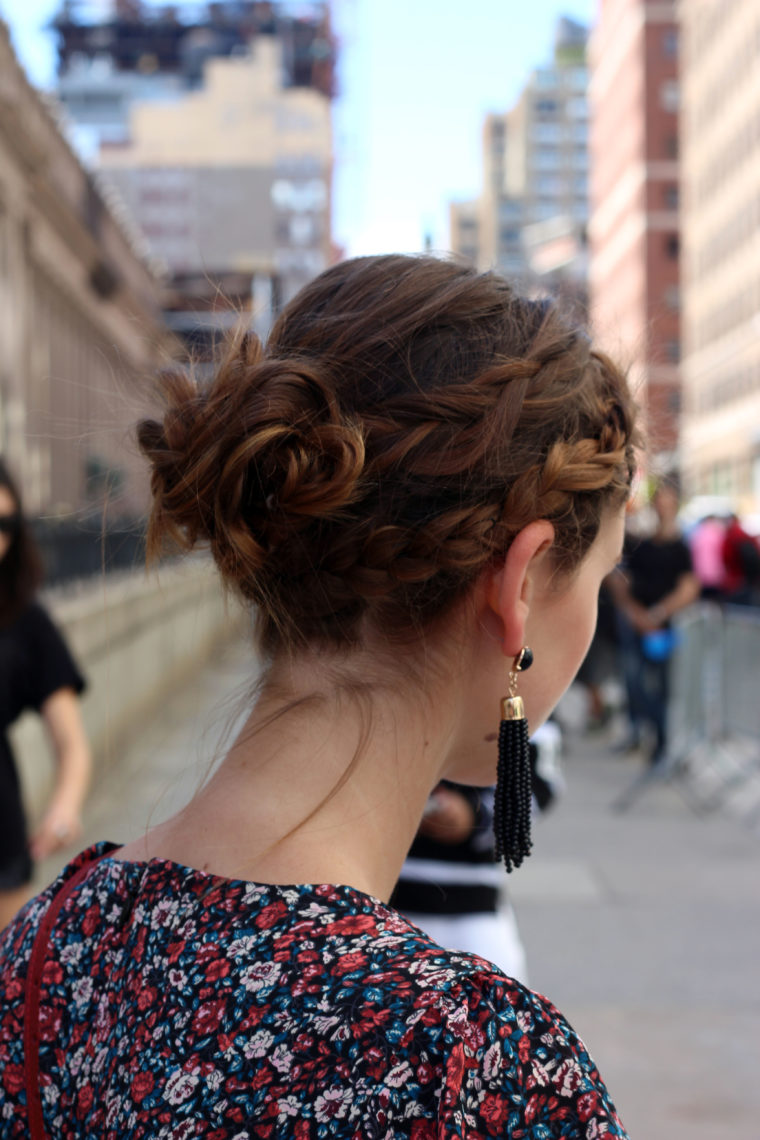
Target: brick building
634, 222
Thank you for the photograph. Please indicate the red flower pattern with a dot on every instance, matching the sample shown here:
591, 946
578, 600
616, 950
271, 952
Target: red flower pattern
336, 1016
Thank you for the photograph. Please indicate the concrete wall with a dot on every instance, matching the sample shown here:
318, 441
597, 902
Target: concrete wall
136, 639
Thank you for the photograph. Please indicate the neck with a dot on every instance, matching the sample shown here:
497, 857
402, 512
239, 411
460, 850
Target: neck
317, 789
667, 529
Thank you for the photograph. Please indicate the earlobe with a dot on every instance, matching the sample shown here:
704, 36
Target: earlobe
511, 590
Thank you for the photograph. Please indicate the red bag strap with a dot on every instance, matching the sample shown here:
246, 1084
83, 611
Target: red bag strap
32, 990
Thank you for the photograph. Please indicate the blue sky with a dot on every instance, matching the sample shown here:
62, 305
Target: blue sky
416, 78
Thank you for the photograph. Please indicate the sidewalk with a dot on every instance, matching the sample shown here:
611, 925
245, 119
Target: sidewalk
643, 928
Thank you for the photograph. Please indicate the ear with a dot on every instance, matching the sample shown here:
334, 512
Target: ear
511, 586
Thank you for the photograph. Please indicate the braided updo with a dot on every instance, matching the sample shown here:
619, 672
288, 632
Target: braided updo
407, 418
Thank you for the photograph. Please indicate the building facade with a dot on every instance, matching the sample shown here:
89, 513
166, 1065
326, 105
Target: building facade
464, 236
720, 132
634, 225
81, 329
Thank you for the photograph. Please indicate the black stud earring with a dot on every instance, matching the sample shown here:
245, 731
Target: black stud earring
512, 804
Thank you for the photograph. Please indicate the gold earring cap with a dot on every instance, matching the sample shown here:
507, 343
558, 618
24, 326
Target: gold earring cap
512, 708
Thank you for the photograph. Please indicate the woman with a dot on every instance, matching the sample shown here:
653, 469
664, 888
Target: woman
658, 583
420, 476
37, 672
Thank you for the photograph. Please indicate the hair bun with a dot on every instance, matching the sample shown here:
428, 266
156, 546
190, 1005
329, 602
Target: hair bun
251, 460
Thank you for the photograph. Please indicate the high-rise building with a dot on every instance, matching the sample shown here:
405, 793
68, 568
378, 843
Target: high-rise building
216, 133
546, 150
535, 164
633, 228
720, 133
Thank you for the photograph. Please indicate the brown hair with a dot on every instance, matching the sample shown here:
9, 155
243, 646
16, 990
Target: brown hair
407, 418
21, 567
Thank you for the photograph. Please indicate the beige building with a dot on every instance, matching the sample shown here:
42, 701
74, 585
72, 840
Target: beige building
720, 147
232, 177
80, 319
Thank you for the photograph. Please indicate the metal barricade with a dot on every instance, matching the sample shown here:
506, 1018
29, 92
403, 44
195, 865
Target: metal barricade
713, 714
741, 671
696, 664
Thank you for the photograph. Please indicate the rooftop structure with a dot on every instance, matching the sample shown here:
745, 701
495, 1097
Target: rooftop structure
147, 40
137, 51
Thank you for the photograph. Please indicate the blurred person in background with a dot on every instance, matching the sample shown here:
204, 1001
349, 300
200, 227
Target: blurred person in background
451, 884
37, 672
706, 543
741, 557
655, 583
602, 662
419, 485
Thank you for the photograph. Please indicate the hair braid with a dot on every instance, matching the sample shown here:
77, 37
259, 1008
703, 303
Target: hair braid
406, 420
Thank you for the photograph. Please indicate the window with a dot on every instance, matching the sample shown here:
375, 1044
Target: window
546, 158
672, 246
673, 351
671, 146
546, 77
546, 133
577, 108
299, 196
545, 106
509, 210
670, 43
670, 194
670, 95
548, 184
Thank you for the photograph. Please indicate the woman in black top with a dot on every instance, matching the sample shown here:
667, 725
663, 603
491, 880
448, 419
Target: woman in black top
37, 672
657, 583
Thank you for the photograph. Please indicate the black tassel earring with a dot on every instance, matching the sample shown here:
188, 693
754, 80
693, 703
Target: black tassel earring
512, 806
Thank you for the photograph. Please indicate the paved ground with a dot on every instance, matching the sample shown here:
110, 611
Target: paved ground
644, 928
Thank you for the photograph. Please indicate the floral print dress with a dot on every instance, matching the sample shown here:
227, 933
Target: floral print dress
178, 1004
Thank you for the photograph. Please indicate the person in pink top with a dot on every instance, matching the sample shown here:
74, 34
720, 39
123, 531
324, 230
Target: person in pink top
707, 556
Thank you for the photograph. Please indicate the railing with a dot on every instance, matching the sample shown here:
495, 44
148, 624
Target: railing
136, 638
76, 549
714, 712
